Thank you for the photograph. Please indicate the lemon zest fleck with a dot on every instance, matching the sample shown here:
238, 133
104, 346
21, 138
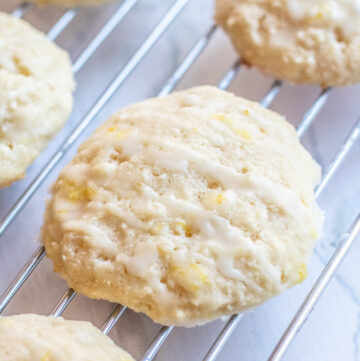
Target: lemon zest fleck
313, 233
78, 192
186, 227
111, 130
220, 198
303, 272
244, 133
46, 357
157, 229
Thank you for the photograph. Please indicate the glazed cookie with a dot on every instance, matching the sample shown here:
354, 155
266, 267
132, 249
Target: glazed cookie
36, 85
303, 41
188, 207
40, 338
71, 3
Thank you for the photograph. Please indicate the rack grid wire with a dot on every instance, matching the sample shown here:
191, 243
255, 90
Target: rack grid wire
194, 53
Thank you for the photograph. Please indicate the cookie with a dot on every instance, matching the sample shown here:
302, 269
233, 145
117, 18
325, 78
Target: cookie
36, 85
71, 3
39, 338
303, 41
187, 208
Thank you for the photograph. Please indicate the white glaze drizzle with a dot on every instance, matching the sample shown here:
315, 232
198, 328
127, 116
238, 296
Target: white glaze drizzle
217, 231
343, 14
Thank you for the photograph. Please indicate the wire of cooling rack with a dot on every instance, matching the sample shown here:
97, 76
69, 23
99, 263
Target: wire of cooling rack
345, 148
64, 301
110, 25
187, 62
23, 275
155, 345
315, 293
61, 24
21, 10
195, 52
306, 121
112, 319
223, 337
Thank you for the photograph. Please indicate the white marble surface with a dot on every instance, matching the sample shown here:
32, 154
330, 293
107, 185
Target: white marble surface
333, 331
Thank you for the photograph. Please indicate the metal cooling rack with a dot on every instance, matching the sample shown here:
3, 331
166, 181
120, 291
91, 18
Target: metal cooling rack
170, 16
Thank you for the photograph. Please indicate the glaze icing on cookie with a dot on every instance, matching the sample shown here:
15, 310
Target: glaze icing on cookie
187, 208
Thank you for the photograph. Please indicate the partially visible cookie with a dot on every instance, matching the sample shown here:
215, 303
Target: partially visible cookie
32, 337
187, 208
303, 41
71, 3
36, 85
